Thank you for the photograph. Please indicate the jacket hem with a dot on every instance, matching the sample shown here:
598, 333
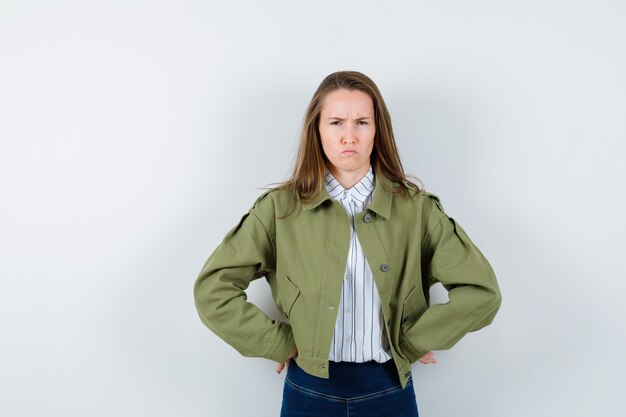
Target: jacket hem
319, 367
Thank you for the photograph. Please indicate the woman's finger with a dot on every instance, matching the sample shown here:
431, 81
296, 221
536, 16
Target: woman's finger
279, 368
428, 358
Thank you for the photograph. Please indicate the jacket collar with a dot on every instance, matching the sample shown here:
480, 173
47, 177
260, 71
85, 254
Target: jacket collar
381, 200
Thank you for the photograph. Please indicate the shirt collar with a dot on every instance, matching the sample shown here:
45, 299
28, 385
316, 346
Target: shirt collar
359, 191
381, 200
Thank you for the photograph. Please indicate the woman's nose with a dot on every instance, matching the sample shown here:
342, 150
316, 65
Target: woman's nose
349, 134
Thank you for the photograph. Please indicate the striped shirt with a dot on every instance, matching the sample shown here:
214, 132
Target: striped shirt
360, 333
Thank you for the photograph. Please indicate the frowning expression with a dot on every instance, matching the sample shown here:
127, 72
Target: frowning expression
347, 129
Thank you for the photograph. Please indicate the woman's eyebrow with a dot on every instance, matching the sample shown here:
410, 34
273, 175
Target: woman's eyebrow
342, 119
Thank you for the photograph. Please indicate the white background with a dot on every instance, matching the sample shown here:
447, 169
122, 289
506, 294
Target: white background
135, 134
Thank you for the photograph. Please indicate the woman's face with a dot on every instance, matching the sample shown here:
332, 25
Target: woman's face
347, 130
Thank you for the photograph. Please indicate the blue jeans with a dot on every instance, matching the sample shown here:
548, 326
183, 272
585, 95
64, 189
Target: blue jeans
368, 389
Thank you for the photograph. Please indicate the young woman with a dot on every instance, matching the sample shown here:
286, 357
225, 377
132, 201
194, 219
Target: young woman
350, 248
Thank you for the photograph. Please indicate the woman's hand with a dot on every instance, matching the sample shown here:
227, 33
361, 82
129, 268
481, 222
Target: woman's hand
285, 365
428, 358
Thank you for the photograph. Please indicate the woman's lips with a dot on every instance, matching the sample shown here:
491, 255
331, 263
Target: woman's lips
349, 152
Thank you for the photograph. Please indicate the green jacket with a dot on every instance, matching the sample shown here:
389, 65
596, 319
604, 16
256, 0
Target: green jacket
410, 244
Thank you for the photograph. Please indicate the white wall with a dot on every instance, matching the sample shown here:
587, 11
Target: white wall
135, 134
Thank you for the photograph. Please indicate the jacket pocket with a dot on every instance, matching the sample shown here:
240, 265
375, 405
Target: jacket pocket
288, 294
413, 306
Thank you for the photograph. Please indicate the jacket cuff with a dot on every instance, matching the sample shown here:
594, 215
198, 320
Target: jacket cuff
284, 344
409, 351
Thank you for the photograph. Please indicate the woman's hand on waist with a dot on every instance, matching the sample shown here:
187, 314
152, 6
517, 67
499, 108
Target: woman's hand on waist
428, 358
285, 365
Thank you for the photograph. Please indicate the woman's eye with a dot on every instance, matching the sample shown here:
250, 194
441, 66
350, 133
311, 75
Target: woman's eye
336, 122
363, 122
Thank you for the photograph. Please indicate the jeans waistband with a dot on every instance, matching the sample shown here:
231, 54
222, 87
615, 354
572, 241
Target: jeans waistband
347, 379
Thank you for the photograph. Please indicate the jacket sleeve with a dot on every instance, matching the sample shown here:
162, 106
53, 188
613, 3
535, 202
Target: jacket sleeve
474, 296
245, 253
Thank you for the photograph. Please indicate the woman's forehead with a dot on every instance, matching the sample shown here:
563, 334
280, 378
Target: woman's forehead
342, 103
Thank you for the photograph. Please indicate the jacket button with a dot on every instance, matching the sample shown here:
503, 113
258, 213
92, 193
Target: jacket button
367, 218
384, 267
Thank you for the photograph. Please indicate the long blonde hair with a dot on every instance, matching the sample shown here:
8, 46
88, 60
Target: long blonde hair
307, 179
